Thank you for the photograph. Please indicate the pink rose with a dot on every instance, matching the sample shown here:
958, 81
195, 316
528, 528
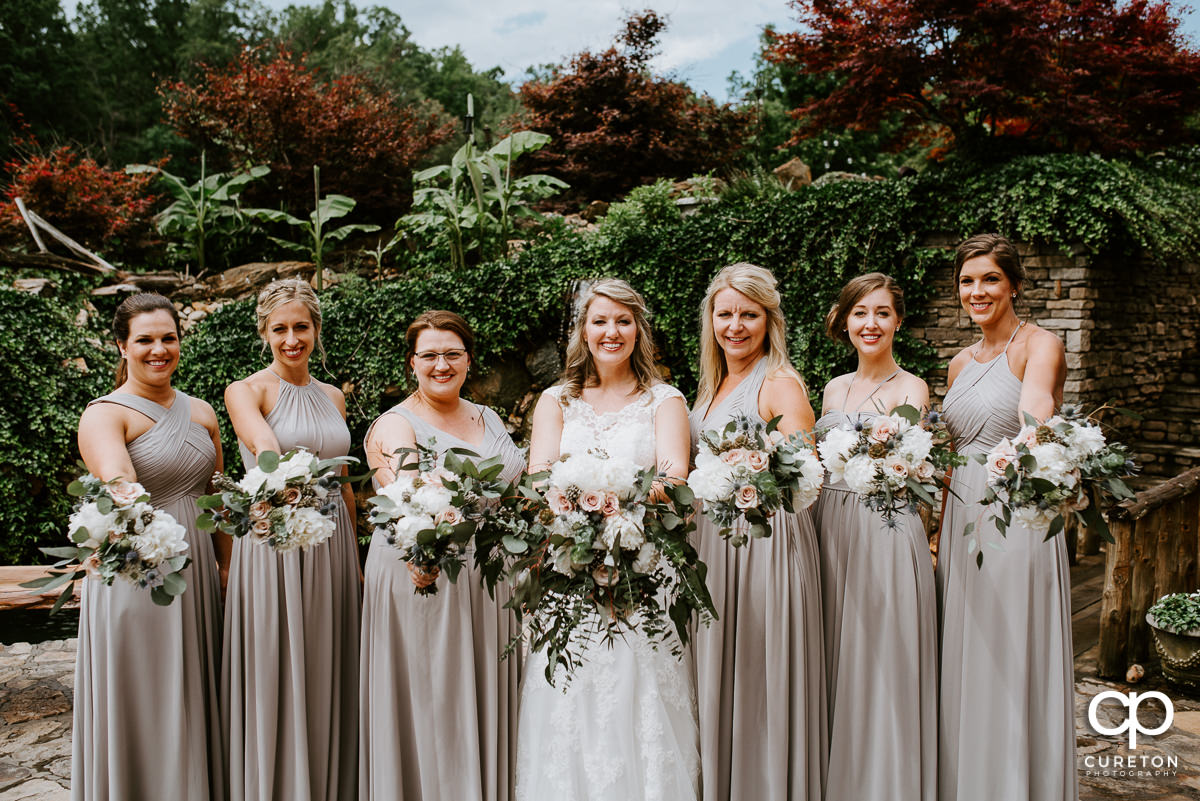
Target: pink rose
757, 461
734, 457
1000, 457
92, 563
1027, 436
438, 476
897, 467
558, 502
291, 496
449, 515
612, 504
260, 510
746, 497
124, 493
882, 429
261, 528
591, 501
605, 576
924, 471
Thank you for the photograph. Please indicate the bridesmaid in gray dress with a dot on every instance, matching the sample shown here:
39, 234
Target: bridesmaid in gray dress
760, 669
1007, 728
147, 719
438, 715
290, 677
877, 584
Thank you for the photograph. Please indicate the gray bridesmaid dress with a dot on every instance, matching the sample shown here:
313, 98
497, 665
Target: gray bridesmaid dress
1007, 729
290, 675
438, 716
147, 724
760, 668
880, 610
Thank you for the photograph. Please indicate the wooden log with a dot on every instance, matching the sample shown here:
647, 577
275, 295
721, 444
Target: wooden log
1167, 578
49, 261
1189, 541
1115, 602
14, 596
1170, 490
1142, 583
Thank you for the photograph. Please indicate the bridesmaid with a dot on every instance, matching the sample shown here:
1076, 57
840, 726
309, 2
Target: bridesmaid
1007, 729
877, 585
760, 670
290, 679
438, 710
146, 676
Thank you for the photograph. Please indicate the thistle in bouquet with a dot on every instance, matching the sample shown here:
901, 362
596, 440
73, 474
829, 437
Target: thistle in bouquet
599, 547
286, 502
747, 471
894, 462
431, 512
1053, 469
118, 534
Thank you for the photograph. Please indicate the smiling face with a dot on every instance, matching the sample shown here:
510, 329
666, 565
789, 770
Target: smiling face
872, 323
152, 349
610, 330
291, 334
739, 324
440, 362
985, 291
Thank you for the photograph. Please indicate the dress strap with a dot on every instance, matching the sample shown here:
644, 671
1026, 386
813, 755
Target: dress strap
1013, 336
145, 406
878, 387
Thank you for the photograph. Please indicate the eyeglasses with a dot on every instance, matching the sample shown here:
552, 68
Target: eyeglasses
430, 357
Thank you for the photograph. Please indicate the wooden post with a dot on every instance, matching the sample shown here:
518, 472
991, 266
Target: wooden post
1142, 584
1114, 604
1189, 541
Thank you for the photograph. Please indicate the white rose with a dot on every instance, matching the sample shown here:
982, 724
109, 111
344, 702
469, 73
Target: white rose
713, 482
298, 465
399, 490
98, 526
859, 474
647, 559
405, 529
836, 445
1052, 463
915, 444
161, 538
124, 493
632, 534
1034, 518
895, 471
1084, 441
431, 498
560, 558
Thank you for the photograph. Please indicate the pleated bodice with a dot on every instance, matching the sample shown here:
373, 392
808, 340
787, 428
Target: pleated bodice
743, 400
176, 456
305, 417
981, 408
496, 441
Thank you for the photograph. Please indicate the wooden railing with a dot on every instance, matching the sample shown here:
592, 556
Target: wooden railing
1157, 544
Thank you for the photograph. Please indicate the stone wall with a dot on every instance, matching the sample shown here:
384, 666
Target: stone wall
1130, 328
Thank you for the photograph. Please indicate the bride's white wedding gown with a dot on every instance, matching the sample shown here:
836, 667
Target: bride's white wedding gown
625, 726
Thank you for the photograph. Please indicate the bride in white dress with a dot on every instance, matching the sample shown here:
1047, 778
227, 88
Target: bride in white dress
625, 726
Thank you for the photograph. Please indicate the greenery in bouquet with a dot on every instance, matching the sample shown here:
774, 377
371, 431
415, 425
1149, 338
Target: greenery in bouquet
748, 471
118, 534
287, 502
1052, 469
894, 462
598, 547
431, 512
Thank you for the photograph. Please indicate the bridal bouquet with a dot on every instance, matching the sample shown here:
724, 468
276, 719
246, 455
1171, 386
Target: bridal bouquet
117, 533
747, 471
892, 462
1052, 469
602, 547
287, 502
430, 512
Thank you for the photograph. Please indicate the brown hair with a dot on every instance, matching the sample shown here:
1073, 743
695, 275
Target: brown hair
855, 290
1001, 251
284, 291
132, 306
580, 370
440, 320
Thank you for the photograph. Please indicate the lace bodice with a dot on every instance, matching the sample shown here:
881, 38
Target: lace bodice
625, 433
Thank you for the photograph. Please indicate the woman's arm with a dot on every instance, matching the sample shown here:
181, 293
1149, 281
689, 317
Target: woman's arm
546, 435
1045, 374
672, 438
102, 442
222, 542
388, 434
784, 396
244, 402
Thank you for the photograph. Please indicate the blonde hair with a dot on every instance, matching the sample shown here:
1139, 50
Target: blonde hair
758, 284
580, 369
281, 292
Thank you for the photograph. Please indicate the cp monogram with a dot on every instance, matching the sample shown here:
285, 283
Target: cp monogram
1132, 724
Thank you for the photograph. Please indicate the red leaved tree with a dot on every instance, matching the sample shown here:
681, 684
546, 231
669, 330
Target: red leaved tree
614, 125
267, 107
991, 76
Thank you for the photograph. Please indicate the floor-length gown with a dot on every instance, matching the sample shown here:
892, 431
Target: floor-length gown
760, 668
1007, 728
147, 721
290, 677
438, 711
625, 726
880, 608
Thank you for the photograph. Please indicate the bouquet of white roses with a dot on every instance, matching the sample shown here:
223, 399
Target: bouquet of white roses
430, 512
1052, 469
600, 547
117, 533
287, 502
748, 471
892, 462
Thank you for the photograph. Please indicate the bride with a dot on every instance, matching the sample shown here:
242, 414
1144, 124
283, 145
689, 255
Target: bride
625, 726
